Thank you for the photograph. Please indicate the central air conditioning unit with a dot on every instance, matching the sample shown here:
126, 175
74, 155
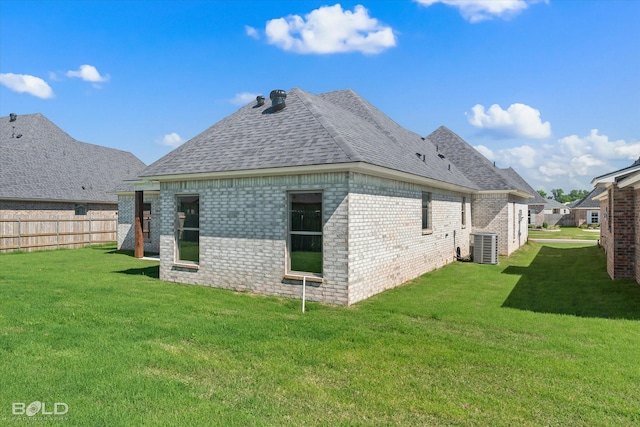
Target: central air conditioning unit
485, 248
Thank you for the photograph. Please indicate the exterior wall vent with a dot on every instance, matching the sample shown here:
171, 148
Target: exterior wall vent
485, 248
277, 99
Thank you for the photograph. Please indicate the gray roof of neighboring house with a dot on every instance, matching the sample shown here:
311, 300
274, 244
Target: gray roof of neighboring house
588, 202
39, 161
554, 204
332, 128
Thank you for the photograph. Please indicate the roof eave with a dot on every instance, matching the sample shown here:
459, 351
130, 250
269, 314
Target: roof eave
358, 167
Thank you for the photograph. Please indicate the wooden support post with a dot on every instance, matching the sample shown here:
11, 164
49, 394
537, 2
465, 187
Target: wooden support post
139, 238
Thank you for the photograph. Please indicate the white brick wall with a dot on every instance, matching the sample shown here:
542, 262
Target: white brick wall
387, 245
243, 234
499, 213
373, 238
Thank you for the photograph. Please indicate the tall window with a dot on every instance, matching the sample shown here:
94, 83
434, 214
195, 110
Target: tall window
464, 211
305, 232
593, 217
188, 228
426, 210
146, 221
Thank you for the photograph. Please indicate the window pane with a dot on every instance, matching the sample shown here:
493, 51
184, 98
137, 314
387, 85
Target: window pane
190, 206
189, 245
188, 225
306, 212
306, 253
426, 205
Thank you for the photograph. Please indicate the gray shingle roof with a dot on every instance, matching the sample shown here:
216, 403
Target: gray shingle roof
588, 202
474, 165
331, 128
45, 163
520, 183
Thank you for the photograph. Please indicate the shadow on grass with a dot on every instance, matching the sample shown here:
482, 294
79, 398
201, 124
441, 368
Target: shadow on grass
153, 271
573, 281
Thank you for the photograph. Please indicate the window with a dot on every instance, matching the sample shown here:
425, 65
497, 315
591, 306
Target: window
188, 228
464, 211
426, 210
530, 220
305, 232
593, 217
146, 220
556, 210
81, 209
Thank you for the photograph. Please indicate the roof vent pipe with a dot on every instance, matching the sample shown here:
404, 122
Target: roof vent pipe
277, 99
13, 117
260, 100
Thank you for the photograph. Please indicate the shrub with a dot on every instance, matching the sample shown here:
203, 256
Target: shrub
545, 225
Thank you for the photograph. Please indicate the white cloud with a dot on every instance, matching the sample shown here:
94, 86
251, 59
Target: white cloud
88, 73
485, 151
481, 10
582, 165
244, 98
251, 32
519, 120
172, 140
330, 29
599, 146
24, 83
524, 156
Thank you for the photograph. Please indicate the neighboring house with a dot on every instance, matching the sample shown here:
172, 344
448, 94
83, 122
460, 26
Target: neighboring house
620, 221
44, 171
326, 189
587, 210
556, 213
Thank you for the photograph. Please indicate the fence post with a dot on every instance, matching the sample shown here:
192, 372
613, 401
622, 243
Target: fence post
19, 239
89, 229
57, 231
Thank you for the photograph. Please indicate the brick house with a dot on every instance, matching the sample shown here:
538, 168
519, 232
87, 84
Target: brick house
587, 210
325, 187
620, 221
44, 171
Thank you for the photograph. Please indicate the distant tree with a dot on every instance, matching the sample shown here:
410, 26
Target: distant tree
557, 194
542, 193
578, 194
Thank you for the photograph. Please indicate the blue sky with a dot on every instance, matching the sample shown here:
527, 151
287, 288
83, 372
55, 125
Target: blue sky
550, 88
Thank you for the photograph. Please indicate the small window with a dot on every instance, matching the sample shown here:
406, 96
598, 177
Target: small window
146, 220
188, 228
81, 209
464, 211
305, 232
426, 210
556, 210
593, 217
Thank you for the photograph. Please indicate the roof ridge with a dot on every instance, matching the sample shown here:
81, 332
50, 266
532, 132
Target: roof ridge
330, 128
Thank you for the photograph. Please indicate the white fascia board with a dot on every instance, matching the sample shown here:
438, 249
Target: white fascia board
602, 196
357, 167
631, 181
611, 177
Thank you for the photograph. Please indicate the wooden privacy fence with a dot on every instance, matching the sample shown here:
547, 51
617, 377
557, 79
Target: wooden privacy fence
31, 233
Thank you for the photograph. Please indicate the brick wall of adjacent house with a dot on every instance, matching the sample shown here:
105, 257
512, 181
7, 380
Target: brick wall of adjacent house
13, 208
126, 209
243, 235
504, 215
618, 232
387, 245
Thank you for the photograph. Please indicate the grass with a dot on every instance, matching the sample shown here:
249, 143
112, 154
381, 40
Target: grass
543, 338
565, 233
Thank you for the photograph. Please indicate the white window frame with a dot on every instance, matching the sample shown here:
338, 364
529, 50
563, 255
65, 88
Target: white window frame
426, 212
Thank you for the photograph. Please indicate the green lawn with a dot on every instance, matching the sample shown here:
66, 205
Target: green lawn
543, 338
565, 233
